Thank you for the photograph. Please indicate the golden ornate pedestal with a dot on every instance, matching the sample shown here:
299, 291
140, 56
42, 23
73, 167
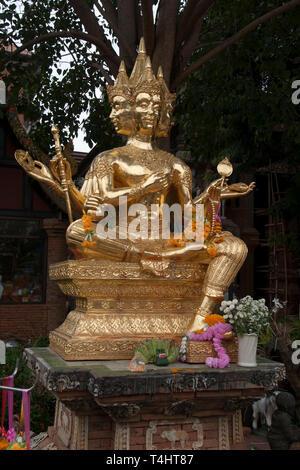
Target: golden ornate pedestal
119, 305
197, 352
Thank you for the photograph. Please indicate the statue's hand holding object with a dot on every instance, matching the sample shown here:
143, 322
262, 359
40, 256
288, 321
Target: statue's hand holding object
157, 181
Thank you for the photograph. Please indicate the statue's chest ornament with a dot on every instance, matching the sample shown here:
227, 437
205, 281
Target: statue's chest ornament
140, 162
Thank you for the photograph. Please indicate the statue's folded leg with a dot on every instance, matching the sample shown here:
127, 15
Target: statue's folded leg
221, 272
112, 249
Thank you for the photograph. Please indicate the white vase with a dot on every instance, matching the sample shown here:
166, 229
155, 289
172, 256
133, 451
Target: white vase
247, 350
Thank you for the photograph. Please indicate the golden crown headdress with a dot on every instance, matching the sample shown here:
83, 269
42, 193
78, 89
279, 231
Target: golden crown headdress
142, 79
121, 85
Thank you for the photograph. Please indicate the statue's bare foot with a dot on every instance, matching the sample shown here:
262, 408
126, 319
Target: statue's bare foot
198, 323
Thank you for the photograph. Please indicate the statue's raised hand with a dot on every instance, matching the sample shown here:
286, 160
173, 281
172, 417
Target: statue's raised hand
36, 169
54, 166
92, 203
214, 191
237, 190
157, 181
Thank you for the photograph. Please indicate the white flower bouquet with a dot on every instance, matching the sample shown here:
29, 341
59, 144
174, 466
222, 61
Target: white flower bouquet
246, 315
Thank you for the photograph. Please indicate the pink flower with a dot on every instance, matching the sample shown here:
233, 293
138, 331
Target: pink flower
11, 434
215, 333
3, 432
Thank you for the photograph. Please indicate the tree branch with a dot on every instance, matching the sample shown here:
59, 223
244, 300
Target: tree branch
233, 39
109, 14
127, 27
165, 37
25, 14
66, 34
104, 72
187, 50
194, 10
138, 21
92, 26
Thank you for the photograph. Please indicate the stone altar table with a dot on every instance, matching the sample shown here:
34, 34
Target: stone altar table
101, 405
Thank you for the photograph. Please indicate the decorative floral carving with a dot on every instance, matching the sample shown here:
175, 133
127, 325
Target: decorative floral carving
119, 411
223, 433
174, 435
88, 269
183, 407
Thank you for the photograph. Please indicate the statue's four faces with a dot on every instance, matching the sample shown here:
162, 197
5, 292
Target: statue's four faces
144, 116
122, 116
147, 112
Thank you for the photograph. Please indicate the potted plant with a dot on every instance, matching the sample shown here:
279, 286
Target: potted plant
249, 318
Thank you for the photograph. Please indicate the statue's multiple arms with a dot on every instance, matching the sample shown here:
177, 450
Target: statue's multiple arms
41, 173
219, 191
237, 190
155, 182
182, 180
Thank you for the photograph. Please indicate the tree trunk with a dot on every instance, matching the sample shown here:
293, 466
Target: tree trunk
165, 37
128, 28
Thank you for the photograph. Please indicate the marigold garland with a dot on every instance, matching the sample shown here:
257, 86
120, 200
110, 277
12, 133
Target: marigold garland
215, 238
211, 250
4, 444
213, 319
10, 440
88, 230
217, 328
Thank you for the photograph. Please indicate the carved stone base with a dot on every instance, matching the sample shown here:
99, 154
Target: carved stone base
101, 405
72, 349
119, 305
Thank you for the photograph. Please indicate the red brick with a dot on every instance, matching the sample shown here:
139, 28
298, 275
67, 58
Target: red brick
97, 444
187, 427
211, 434
139, 424
166, 445
29, 321
93, 444
98, 434
106, 444
100, 425
193, 436
210, 426
138, 432
210, 443
152, 417
137, 447
138, 440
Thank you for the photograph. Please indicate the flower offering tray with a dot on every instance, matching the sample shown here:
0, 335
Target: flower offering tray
197, 352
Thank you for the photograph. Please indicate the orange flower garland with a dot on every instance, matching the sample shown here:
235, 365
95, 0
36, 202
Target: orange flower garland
4, 444
17, 446
206, 230
213, 319
216, 236
211, 250
178, 242
88, 230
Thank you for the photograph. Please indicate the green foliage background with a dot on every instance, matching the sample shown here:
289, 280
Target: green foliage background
237, 104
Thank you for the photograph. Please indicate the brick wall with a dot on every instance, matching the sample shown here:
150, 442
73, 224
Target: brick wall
57, 251
210, 429
25, 322
101, 433
151, 422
